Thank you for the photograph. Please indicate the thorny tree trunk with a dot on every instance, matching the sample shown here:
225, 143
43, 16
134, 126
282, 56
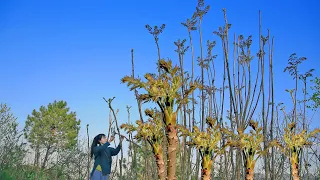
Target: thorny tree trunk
158, 154
250, 170
172, 137
295, 166
206, 167
154, 168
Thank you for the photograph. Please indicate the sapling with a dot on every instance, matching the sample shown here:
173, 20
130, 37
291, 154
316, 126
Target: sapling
207, 142
152, 131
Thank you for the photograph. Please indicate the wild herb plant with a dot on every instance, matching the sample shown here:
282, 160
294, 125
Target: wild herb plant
294, 142
152, 131
207, 142
164, 90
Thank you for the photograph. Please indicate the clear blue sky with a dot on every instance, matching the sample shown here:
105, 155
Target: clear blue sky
78, 51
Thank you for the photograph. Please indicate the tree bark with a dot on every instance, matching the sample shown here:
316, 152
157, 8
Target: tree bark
46, 157
206, 167
37, 156
172, 136
295, 166
116, 120
250, 164
158, 154
249, 174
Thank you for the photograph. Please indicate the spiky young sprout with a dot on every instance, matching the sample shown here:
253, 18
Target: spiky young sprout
293, 144
151, 131
207, 144
155, 32
250, 144
164, 90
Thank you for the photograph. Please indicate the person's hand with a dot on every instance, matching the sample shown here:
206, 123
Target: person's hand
111, 139
121, 138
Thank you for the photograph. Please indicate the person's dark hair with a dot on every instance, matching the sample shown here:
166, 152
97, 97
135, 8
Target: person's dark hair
95, 142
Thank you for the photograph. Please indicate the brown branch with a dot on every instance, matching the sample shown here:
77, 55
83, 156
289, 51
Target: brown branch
109, 101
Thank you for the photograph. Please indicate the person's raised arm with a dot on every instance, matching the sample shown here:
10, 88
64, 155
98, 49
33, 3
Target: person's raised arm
104, 146
115, 151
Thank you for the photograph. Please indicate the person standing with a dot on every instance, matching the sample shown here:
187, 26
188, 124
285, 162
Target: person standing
102, 154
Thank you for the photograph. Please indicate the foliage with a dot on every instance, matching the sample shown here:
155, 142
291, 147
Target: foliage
55, 129
293, 63
27, 172
250, 144
156, 31
12, 150
153, 132
294, 142
72, 162
207, 143
315, 97
164, 89
52, 127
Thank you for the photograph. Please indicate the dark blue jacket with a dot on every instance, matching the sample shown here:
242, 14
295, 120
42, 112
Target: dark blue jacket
103, 157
